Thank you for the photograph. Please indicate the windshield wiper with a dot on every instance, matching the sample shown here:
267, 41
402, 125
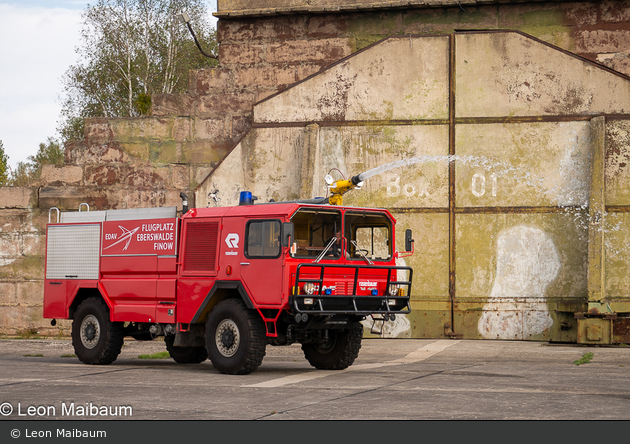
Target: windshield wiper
325, 250
358, 250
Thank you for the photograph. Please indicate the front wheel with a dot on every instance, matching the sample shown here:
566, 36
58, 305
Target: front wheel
95, 338
337, 352
185, 355
235, 338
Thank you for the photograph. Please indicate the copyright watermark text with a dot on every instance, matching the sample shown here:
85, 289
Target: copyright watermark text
71, 409
59, 433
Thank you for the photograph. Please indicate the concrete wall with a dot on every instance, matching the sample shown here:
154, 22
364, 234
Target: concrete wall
143, 162
502, 130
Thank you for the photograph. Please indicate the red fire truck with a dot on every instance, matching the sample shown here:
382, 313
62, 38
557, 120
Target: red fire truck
224, 282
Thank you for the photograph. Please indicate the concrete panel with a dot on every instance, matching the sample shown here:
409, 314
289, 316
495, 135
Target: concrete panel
10, 247
30, 293
430, 260
509, 74
618, 162
399, 78
266, 162
142, 129
356, 149
523, 164
517, 265
558, 269
65, 174
617, 256
247, 8
16, 319
15, 197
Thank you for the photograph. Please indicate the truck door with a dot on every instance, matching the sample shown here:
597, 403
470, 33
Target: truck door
261, 261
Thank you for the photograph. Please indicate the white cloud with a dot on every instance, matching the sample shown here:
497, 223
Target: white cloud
37, 48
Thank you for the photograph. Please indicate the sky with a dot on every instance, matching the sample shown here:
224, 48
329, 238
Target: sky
37, 45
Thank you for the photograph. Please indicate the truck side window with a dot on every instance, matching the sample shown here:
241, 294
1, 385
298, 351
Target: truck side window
369, 235
313, 230
263, 239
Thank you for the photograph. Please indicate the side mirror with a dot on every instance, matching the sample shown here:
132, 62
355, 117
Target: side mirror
408, 240
286, 233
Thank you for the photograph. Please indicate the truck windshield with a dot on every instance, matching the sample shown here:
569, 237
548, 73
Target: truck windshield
369, 235
314, 230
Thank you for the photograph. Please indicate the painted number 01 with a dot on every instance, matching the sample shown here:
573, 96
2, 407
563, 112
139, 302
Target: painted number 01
479, 184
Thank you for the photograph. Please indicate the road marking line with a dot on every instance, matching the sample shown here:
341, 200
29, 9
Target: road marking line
293, 379
416, 356
426, 352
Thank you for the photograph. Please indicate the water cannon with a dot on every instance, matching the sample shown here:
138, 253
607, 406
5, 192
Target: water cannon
340, 187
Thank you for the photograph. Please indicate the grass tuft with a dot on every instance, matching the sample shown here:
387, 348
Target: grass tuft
585, 359
160, 355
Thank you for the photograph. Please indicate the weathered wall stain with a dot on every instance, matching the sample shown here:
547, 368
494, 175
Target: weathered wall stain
527, 262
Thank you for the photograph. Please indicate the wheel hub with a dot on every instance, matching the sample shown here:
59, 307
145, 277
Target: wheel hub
227, 338
90, 332
328, 343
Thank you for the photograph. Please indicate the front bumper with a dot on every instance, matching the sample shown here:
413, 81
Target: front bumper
363, 305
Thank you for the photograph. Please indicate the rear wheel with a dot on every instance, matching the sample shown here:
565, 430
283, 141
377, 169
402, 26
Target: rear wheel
185, 355
337, 352
235, 338
95, 338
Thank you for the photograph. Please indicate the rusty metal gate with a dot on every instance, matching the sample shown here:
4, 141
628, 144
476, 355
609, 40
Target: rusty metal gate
519, 191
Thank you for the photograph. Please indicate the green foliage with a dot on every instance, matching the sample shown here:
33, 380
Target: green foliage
72, 128
49, 153
159, 355
585, 359
22, 175
131, 50
143, 104
4, 167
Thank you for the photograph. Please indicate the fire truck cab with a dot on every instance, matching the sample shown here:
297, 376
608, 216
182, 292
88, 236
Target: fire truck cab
225, 282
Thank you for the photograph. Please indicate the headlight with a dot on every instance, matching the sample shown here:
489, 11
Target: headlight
393, 290
309, 288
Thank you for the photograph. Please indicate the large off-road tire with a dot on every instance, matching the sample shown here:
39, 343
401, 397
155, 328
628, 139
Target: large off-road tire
338, 352
185, 355
235, 338
95, 338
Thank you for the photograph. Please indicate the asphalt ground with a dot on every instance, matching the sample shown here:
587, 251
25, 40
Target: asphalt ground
392, 380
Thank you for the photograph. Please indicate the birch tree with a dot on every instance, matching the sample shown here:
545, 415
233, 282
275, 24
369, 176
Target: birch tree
130, 50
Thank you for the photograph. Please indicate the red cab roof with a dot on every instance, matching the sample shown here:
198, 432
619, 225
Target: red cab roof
270, 209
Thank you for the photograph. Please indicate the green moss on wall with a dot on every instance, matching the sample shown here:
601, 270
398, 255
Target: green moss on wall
453, 17
163, 152
362, 41
543, 18
24, 267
